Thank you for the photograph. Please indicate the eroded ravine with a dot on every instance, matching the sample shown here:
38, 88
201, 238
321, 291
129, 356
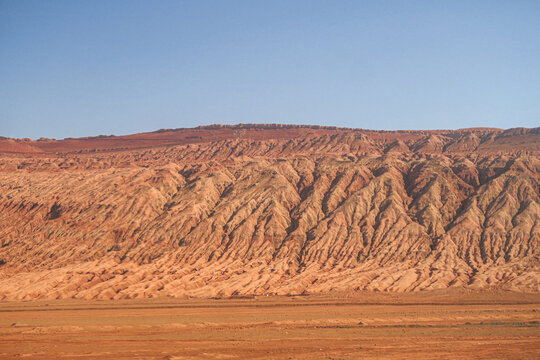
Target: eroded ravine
312, 213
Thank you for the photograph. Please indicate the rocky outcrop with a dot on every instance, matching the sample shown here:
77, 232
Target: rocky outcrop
269, 212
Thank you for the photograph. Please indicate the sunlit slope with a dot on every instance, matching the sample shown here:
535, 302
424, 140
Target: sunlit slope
288, 210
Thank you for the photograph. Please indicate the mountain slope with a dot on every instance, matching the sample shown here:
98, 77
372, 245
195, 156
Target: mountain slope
259, 209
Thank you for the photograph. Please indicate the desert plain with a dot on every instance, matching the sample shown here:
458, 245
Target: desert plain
426, 325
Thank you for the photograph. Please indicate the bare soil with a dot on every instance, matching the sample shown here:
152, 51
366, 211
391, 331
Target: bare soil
425, 325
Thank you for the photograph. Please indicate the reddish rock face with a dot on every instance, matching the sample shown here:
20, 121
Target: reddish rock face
269, 209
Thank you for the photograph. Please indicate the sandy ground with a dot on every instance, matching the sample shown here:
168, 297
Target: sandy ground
434, 325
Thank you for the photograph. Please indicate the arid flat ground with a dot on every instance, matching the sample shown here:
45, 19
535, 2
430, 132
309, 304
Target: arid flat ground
426, 325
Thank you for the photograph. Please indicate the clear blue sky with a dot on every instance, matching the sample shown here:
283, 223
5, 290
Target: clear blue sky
76, 68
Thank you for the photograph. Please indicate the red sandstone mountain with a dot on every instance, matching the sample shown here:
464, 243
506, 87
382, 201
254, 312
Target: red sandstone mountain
269, 209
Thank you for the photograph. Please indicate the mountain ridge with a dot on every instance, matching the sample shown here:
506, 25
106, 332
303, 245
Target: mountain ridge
211, 133
246, 210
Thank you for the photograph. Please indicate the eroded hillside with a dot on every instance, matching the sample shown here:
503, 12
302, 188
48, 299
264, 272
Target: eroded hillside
241, 210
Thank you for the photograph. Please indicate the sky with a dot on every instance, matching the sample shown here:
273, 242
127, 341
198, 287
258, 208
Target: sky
84, 68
